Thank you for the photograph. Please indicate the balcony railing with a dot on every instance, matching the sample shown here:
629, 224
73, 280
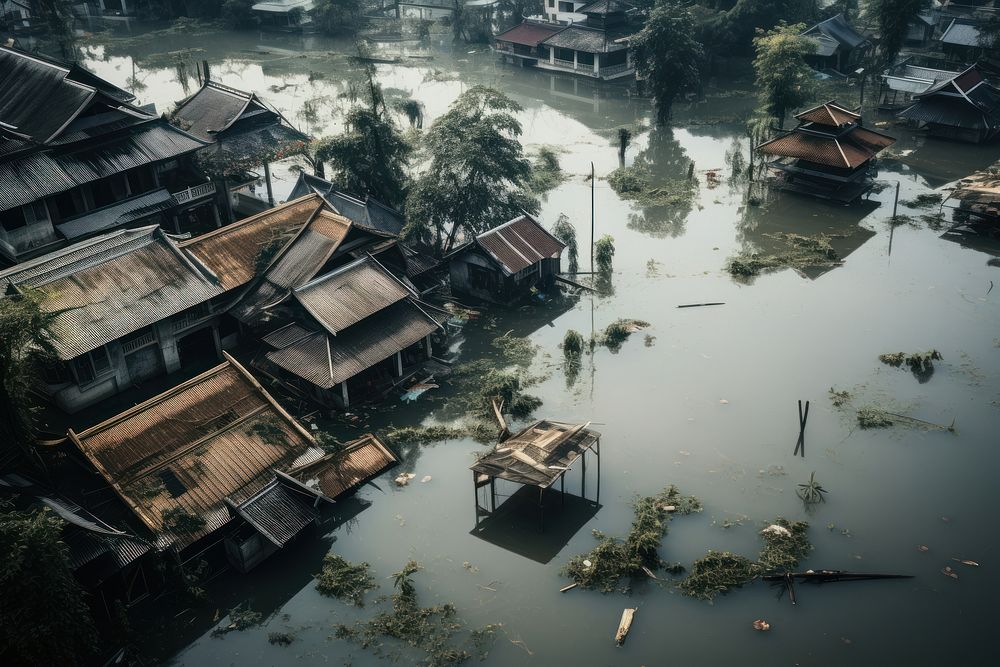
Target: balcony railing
133, 344
611, 70
190, 317
195, 192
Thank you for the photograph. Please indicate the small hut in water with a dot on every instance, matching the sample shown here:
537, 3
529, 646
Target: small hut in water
828, 155
964, 107
538, 456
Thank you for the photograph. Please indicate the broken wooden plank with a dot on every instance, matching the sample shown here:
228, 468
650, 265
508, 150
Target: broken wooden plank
649, 573
698, 305
625, 625
568, 587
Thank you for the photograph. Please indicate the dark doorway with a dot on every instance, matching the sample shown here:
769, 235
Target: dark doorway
197, 350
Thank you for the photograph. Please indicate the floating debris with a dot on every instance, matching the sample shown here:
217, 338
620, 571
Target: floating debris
618, 332
613, 560
924, 200
404, 478
839, 398
280, 638
761, 625
970, 563
803, 252
948, 572
624, 625
919, 362
345, 580
515, 350
872, 416
811, 492
923, 548
240, 619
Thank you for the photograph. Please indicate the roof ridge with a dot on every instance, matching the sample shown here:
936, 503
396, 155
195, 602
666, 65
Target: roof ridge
246, 221
55, 255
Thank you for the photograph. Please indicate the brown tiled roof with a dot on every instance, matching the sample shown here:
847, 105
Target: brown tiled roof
847, 151
528, 34
351, 293
518, 244
326, 360
830, 113
231, 252
112, 285
362, 459
215, 436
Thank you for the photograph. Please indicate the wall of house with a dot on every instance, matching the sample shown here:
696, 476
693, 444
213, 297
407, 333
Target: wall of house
460, 283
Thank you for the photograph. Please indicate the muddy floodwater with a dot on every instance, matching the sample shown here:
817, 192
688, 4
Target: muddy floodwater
705, 398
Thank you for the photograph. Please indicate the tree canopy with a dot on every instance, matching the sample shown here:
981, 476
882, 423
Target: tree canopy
784, 80
371, 156
43, 617
892, 19
24, 342
668, 55
477, 176
731, 32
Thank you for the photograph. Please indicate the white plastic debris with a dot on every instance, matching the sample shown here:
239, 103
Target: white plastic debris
404, 478
426, 479
775, 529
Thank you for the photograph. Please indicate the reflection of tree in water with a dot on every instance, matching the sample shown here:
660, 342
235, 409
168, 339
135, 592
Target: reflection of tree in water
667, 192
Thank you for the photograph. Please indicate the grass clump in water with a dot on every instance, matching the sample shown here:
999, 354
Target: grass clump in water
926, 200
613, 559
919, 362
573, 344
566, 232
482, 383
872, 416
801, 252
280, 638
636, 183
616, 333
546, 173
604, 253
785, 544
424, 435
345, 580
430, 630
240, 619
515, 350
839, 398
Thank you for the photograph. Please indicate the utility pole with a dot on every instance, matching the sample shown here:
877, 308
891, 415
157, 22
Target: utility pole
592, 183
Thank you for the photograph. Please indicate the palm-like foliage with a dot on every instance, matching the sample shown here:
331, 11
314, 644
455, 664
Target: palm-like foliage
811, 493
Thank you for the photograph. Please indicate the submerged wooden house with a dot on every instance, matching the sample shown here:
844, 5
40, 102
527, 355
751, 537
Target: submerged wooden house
78, 158
839, 47
828, 155
978, 197
506, 263
963, 107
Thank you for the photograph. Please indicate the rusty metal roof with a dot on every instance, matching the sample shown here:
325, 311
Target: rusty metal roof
326, 360
216, 436
235, 253
344, 297
277, 512
539, 454
112, 285
528, 33
334, 475
287, 335
830, 113
518, 244
305, 256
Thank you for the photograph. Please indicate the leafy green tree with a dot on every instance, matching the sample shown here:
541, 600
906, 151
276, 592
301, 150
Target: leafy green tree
668, 55
784, 80
477, 176
371, 156
238, 13
336, 16
892, 19
25, 341
43, 617
510, 13
732, 32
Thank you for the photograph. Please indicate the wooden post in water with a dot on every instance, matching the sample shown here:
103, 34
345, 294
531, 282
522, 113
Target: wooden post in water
895, 201
593, 180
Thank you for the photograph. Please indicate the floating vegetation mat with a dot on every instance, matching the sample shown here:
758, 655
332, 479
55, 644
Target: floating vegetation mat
436, 632
839, 398
481, 382
637, 183
345, 580
515, 350
240, 618
802, 252
872, 416
919, 362
926, 200
424, 435
613, 560
616, 333
785, 544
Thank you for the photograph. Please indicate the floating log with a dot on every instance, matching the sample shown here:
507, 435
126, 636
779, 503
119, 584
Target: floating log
831, 575
568, 587
698, 305
625, 625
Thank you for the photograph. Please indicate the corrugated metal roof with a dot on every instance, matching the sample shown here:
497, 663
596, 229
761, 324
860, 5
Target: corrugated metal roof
960, 33
370, 214
518, 244
588, 40
47, 172
334, 475
248, 144
112, 285
952, 112
528, 34
830, 113
837, 27
539, 454
211, 109
216, 436
305, 256
348, 295
326, 360
117, 215
281, 338
825, 46
277, 513
605, 7
232, 252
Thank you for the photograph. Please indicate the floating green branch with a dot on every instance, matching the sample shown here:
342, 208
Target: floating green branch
872, 416
240, 619
345, 580
616, 333
612, 559
839, 398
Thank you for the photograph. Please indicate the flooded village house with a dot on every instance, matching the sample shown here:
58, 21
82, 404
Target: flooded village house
963, 107
506, 263
78, 158
243, 133
595, 47
215, 459
828, 155
839, 47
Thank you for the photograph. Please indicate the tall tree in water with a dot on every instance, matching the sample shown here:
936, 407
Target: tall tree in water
784, 80
478, 176
43, 617
371, 156
892, 19
25, 341
668, 55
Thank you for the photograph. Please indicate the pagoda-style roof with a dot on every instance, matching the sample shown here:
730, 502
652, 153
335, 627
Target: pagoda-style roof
830, 113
